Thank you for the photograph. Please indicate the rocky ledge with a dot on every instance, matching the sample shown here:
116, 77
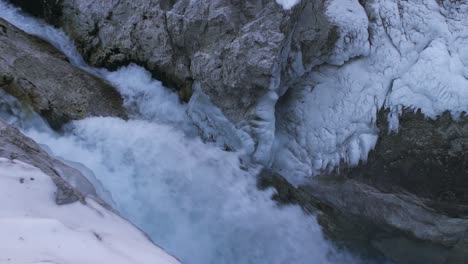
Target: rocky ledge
37, 73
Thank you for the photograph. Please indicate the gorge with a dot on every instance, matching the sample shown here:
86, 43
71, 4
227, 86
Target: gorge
353, 111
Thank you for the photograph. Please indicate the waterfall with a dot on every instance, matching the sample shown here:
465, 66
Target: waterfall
191, 198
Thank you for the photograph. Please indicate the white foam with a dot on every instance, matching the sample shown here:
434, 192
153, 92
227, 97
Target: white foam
288, 4
193, 199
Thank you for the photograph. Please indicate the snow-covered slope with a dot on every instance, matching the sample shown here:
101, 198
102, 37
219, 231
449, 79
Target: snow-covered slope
35, 230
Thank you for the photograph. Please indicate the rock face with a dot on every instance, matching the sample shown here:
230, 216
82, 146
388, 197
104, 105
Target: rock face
399, 225
71, 185
410, 196
244, 54
37, 73
426, 157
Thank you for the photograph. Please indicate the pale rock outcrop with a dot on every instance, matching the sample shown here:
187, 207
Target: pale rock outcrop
37, 73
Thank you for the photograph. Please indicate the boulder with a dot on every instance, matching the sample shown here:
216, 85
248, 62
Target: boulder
37, 73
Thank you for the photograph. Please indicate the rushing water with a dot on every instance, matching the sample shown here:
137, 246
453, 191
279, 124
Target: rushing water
191, 198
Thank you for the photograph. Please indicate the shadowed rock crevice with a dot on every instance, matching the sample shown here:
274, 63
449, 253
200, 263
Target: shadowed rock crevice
51, 10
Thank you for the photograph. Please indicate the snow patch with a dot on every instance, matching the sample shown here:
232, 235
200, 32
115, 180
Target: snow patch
34, 229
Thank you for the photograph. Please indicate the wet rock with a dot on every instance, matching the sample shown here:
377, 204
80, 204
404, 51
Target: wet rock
38, 74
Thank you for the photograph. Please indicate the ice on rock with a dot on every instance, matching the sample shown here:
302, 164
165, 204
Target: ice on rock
214, 126
319, 128
435, 83
351, 21
264, 127
417, 59
287, 4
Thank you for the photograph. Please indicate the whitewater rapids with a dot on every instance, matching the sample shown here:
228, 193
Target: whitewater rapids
191, 198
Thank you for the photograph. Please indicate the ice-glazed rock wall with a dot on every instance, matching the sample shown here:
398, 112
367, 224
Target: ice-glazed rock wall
331, 64
417, 59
